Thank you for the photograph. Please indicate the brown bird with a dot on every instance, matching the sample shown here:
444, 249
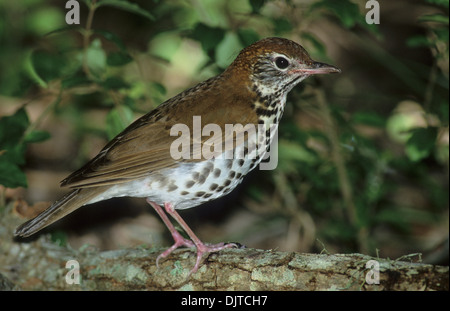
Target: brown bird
150, 159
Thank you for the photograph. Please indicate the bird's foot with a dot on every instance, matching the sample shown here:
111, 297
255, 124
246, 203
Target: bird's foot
179, 241
203, 249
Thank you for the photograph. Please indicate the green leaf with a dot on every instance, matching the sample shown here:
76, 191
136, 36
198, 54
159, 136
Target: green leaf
346, 11
14, 154
114, 83
226, 49
96, 58
156, 90
11, 176
112, 38
257, 5
281, 25
64, 29
438, 18
442, 34
126, 6
159, 88
44, 66
36, 136
369, 118
443, 3
13, 140
42, 19
118, 59
248, 36
12, 128
31, 72
209, 37
418, 41
290, 153
399, 126
117, 120
47, 65
165, 46
421, 143
75, 80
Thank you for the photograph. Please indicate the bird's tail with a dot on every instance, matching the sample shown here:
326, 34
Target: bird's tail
66, 205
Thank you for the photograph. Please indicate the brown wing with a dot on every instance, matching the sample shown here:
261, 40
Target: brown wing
144, 146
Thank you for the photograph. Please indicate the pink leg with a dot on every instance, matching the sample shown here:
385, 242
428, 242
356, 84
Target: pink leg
201, 247
179, 240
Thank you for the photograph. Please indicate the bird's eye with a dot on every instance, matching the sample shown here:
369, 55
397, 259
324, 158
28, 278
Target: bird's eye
281, 62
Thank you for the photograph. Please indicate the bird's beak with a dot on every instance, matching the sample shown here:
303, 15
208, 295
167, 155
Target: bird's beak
317, 68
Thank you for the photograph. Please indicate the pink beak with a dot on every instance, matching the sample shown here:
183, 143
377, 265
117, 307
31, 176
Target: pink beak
319, 68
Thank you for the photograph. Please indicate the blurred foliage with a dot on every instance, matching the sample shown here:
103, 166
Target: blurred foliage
388, 127
15, 134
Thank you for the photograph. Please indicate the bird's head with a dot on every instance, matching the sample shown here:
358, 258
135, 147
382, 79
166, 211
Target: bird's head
276, 65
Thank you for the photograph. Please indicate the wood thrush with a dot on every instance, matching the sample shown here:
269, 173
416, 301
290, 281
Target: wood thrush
143, 161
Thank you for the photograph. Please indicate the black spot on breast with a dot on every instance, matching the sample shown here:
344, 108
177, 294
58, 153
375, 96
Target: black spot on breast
219, 189
217, 172
229, 164
208, 168
172, 188
201, 179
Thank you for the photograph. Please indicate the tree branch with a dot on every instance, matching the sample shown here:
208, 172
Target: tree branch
41, 265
